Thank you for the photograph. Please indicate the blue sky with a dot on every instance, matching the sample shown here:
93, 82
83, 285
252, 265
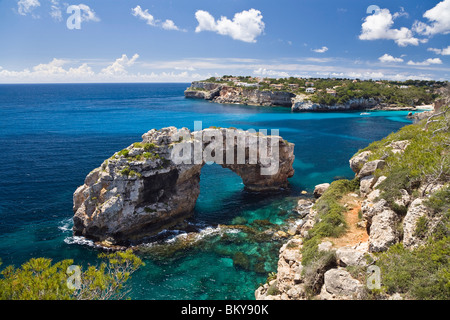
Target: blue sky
182, 41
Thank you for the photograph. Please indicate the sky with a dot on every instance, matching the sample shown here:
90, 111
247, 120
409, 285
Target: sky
71, 41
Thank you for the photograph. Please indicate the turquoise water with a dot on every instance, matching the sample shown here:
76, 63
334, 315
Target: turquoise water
51, 136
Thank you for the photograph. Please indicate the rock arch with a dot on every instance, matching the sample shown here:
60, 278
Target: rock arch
154, 184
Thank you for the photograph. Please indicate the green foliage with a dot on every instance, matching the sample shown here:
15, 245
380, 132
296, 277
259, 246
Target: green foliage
420, 274
149, 146
125, 171
123, 153
421, 227
273, 290
439, 201
332, 223
39, 279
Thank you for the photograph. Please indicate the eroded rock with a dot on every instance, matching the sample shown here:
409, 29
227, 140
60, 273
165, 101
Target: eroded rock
154, 184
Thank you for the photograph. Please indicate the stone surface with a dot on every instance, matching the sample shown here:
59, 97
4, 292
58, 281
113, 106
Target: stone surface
320, 189
416, 210
353, 255
154, 184
357, 162
302, 103
383, 231
339, 285
399, 146
370, 167
366, 184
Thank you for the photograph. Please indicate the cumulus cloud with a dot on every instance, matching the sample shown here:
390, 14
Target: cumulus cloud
150, 19
439, 20
119, 66
321, 50
427, 62
444, 52
388, 58
27, 6
246, 25
379, 26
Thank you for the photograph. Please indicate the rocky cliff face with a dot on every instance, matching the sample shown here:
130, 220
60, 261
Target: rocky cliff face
330, 277
226, 94
154, 184
301, 103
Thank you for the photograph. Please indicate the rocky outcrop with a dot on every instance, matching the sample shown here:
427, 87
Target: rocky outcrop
320, 189
339, 285
302, 103
415, 211
222, 93
154, 184
203, 90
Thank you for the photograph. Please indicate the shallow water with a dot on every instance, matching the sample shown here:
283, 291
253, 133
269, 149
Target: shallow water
51, 136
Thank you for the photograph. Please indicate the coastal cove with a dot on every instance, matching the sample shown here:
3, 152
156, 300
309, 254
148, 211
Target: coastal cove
52, 136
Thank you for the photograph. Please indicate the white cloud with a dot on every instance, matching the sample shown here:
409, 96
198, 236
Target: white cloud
55, 10
444, 52
246, 25
87, 14
321, 50
270, 73
119, 66
439, 19
150, 19
378, 26
27, 6
426, 62
144, 15
388, 58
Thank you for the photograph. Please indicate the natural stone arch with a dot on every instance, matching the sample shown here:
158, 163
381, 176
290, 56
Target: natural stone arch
154, 184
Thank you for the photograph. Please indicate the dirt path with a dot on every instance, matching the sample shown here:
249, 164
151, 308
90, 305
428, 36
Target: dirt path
354, 234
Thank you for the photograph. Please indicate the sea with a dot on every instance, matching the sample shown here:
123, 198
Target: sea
53, 135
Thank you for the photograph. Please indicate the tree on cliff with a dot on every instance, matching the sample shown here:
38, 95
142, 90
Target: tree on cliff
38, 279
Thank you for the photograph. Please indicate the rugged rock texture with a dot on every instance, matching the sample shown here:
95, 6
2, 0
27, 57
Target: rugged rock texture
415, 211
357, 162
320, 189
301, 103
339, 285
154, 184
240, 95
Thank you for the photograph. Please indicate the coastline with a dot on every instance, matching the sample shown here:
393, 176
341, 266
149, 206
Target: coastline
226, 94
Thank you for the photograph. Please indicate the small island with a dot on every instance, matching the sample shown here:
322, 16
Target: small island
318, 94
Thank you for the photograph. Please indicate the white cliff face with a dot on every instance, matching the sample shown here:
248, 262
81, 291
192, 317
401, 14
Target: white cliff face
221, 93
301, 103
142, 189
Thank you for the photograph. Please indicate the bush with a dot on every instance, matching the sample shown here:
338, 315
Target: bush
39, 279
421, 273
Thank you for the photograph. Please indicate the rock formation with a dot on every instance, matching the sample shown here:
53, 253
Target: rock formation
222, 93
154, 184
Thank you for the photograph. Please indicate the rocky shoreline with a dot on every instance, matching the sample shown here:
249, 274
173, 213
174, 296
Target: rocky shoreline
221, 93
378, 224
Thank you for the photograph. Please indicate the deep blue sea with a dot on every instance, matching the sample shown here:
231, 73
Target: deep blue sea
53, 135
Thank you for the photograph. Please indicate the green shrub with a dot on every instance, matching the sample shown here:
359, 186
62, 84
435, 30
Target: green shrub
422, 273
39, 279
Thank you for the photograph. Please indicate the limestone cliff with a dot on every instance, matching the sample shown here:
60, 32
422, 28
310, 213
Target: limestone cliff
390, 203
222, 93
154, 184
